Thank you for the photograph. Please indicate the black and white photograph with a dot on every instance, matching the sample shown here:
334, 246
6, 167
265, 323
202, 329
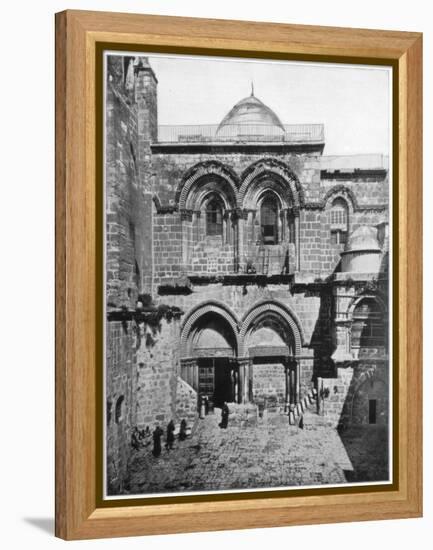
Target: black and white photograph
247, 290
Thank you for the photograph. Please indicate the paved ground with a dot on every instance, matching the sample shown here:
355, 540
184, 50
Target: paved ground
254, 454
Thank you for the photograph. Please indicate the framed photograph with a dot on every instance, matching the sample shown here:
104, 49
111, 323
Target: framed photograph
238, 227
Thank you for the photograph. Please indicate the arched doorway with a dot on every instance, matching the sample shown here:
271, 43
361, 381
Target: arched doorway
270, 344
211, 347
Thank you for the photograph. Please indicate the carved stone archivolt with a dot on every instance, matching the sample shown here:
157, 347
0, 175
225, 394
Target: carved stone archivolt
240, 328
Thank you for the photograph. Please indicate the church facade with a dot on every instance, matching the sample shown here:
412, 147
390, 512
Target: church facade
242, 266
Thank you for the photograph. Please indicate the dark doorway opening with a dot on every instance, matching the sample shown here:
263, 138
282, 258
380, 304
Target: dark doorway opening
372, 407
223, 383
216, 380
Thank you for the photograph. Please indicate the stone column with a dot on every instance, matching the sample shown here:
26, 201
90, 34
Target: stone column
292, 386
241, 382
298, 243
235, 240
283, 223
287, 396
244, 379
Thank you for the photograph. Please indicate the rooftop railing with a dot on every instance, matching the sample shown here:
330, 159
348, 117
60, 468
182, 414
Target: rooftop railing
208, 133
345, 163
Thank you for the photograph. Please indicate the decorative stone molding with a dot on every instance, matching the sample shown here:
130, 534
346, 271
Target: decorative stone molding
288, 316
200, 170
274, 169
186, 214
199, 311
342, 191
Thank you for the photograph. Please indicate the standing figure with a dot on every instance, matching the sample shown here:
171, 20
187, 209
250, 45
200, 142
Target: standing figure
170, 435
224, 416
182, 431
157, 434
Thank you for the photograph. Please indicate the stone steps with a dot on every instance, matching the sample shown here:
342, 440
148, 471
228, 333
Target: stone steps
308, 402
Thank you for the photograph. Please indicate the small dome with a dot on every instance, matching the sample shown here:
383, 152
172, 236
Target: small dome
363, 238
252, 113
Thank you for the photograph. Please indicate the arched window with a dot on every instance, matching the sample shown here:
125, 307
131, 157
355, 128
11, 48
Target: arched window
269, 220
368, 326
214, 217
339, 220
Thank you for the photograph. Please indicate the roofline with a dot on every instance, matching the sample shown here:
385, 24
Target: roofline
223, 147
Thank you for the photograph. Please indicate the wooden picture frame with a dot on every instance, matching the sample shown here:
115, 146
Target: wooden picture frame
79, 511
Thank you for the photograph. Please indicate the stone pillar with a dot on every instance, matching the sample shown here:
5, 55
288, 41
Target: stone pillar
227, 232
241, 382
298, 381
244, 380
283, 223
298, 243
292, 386
287, 396
236, 241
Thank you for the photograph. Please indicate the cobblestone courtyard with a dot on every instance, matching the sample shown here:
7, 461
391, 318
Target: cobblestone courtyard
263, 453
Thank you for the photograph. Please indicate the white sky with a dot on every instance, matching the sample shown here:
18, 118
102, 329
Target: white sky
353, 102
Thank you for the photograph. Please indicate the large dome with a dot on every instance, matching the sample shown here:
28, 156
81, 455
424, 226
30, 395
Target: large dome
251, 116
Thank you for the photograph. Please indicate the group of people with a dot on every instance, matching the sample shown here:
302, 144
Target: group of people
158, 432
138, 436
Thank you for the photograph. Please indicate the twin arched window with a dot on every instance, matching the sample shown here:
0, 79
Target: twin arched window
339, 219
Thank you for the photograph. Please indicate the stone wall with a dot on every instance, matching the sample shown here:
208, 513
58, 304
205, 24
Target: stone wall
269, 384
130, 128
186, 403
366, 198
120, 403
346, 396
158, 367
128, 201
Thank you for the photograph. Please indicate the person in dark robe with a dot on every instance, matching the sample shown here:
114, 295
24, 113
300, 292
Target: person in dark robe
157, 434
224, 416
182, 431
170, 436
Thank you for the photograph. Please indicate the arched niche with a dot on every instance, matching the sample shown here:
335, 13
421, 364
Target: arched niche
269, 317
210, 325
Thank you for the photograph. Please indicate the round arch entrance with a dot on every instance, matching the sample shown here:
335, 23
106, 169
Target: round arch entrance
271, 342
210, 347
